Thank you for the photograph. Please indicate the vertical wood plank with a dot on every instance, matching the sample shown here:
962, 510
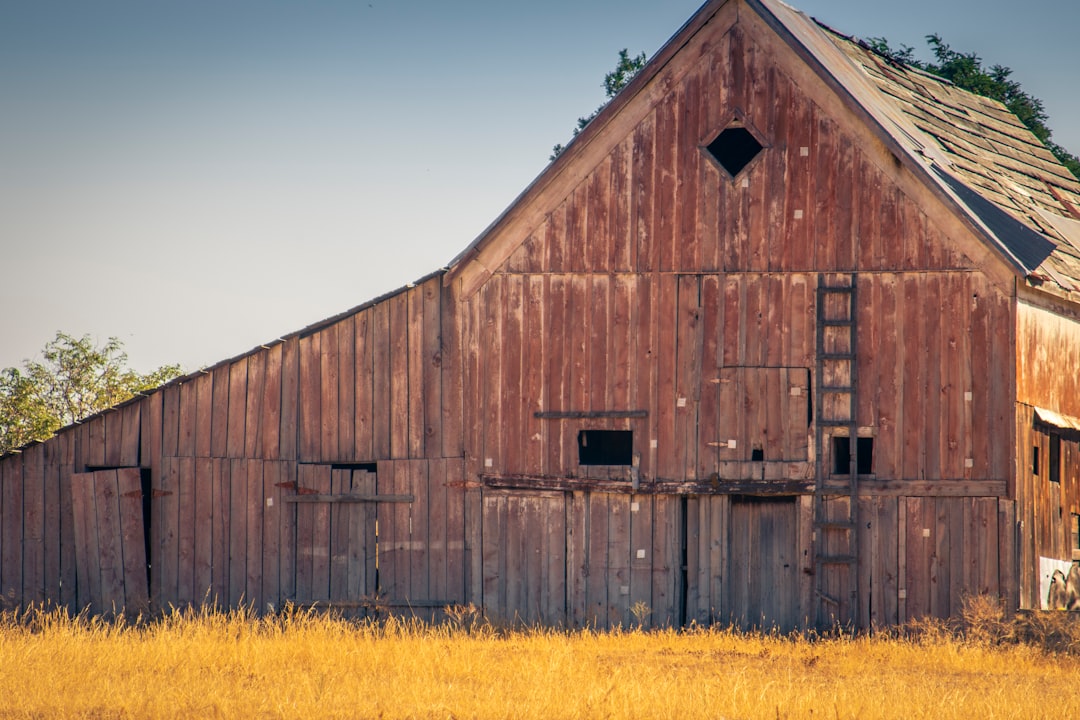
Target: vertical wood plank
203, 525
221, 532
270, 422
185, 532
456, 571
204, 414
309, 394
133, 540
327, 389
414, 361
254, 416
166, 520
188, 410
254, 540
364, 353
305, 535
346, 393
289, 398
84, 514
219, 441
237, 532
399, 375
237, 408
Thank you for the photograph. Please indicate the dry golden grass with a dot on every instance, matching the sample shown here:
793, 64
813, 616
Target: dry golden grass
306, 665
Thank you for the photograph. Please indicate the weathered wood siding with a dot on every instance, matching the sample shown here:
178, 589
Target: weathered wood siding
1048, 498
657, 283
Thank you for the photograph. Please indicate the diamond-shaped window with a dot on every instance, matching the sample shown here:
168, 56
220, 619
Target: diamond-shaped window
734, 148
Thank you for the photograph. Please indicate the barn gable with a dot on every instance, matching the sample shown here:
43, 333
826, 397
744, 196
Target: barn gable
756, 328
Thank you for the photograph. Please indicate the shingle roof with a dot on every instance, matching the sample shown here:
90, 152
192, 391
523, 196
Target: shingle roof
992, 163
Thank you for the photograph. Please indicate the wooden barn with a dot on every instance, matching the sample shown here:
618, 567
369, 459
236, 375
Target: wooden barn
788, 336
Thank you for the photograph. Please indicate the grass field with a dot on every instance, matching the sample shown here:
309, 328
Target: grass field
302, 664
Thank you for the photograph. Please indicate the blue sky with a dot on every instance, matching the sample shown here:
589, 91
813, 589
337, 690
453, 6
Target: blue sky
200, 177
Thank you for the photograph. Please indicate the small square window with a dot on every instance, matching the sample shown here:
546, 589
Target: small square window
605, 447
841, 455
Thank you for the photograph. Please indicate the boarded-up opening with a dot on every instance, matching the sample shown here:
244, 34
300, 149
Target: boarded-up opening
110, 540
337, 551
524, 556
583, 559
764, 414
762, 578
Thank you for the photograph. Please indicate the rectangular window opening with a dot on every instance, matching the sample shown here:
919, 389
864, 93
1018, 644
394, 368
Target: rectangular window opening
841, 455
605, 447
1035, 461
1055, 458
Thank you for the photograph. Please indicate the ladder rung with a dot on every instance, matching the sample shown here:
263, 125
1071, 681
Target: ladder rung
836, 288
839, 388
836, 356
835, 423
835, 559
838, 323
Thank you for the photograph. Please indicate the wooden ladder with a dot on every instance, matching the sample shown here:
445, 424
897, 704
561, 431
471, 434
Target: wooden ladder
836, 496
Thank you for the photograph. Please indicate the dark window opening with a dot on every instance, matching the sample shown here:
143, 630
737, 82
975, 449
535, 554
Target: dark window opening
841, 455
1035, 461
757, 455
734, 148
605, 447
1055, 458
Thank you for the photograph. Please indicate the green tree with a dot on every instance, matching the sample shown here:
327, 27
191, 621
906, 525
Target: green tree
625, 70
965, 70
75, 379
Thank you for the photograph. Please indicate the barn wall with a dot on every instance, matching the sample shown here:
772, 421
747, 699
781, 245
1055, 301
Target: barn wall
656, 281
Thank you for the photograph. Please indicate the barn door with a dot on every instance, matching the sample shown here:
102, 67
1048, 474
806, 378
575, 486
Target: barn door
524, 556
762, 578
336, 543
582, 559
110, 540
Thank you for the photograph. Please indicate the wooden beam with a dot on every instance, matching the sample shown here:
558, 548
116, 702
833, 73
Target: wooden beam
580, 414
348, 498
933, 488
660, 487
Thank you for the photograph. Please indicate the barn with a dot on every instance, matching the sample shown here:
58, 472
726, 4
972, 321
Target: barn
788, 336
